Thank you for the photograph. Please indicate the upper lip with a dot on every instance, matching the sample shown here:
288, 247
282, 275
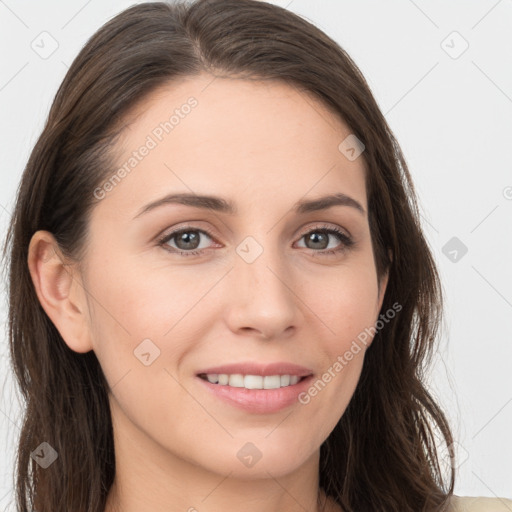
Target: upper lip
263, 369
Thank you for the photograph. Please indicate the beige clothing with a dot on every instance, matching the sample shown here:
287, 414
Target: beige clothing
476, 504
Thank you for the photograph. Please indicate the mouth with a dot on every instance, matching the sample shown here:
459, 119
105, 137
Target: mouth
238, 380
245, 392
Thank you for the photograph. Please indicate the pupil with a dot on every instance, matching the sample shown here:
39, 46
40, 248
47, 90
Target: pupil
188, 238
314, 238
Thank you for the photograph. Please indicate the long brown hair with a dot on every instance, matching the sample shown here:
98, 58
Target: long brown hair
382, 454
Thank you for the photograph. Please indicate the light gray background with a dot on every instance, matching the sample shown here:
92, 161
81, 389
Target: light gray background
452, 114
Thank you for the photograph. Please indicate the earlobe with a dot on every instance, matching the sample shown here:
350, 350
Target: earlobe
384, 281
58, 291
383, 284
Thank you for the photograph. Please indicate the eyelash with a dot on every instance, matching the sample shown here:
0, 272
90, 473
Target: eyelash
347, 242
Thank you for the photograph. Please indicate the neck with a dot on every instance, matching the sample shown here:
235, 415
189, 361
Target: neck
126, 502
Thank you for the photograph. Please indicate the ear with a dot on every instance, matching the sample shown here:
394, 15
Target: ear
383, 284
59, 290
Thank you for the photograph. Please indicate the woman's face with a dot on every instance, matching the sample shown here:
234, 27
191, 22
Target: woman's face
262, 283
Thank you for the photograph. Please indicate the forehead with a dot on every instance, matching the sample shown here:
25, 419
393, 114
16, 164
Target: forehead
250, 140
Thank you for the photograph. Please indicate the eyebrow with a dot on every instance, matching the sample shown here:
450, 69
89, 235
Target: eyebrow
222, 205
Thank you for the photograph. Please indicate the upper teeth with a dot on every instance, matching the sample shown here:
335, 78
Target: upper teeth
253, 381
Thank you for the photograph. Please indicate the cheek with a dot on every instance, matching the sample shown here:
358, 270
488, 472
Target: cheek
345, 312
141, 329
345, 303
147, 301
138, 311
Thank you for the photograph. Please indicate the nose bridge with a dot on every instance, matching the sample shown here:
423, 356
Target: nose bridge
259, 264
262, 293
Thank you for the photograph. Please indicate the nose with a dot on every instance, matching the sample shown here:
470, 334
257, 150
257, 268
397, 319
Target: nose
261, 298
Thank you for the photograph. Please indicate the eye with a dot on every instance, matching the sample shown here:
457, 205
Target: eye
318, 237
187, 240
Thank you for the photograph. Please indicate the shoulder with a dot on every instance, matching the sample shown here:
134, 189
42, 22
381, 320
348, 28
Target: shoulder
479, 504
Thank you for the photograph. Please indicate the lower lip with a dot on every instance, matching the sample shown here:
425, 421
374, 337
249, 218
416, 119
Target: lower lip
261, 401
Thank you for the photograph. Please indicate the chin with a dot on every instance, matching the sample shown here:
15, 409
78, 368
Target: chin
258, 459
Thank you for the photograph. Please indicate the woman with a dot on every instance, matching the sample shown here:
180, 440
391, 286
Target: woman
220, 294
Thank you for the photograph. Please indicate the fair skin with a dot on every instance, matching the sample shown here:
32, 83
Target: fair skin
263, 146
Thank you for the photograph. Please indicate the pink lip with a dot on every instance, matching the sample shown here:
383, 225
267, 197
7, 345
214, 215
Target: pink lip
259, 401
252, 368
